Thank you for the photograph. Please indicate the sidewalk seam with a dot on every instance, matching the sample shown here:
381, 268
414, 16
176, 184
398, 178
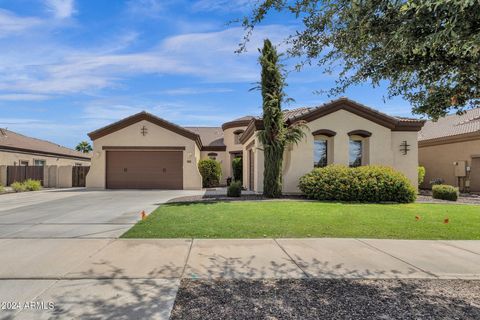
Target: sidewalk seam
110, 241
399, 259
288, 255
187, 259
460, 248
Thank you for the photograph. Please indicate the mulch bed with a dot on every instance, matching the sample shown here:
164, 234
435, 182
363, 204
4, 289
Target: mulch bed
327, 299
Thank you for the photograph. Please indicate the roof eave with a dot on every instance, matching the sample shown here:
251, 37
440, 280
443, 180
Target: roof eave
94, 135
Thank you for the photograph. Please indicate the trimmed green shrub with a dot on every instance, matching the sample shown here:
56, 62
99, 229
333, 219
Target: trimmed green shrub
18, 187
211, 172
361, 184
2, 188
234, 189
421, 175
445, 192
32, 185
237, 166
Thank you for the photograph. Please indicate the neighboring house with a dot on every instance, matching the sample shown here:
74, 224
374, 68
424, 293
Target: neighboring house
19, 150
23, 157
449, 149
147, 152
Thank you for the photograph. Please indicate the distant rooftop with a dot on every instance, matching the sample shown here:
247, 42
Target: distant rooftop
16, 141
451, 125
210, 136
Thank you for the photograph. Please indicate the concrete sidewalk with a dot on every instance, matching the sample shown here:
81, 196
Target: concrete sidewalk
136, 277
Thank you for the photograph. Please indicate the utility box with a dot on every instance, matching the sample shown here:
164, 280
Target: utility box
460, 168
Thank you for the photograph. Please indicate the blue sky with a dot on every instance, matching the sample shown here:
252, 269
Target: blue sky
68, 67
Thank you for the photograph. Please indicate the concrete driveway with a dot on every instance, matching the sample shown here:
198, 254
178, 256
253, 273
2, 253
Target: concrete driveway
77, 213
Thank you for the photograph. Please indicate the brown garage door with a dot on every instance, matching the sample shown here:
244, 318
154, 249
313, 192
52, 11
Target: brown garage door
144, 170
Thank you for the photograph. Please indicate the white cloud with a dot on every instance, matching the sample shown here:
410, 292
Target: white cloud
46, 67
223, 5
102, 112
194, 91
11, 23
149, 8
4, 122
61, 8
23, 97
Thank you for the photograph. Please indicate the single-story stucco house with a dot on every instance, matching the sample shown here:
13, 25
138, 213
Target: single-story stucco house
449, 149
19, 150
23, 157
145, 151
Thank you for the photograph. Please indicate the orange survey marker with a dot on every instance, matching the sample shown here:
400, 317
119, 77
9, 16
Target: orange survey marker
143, 214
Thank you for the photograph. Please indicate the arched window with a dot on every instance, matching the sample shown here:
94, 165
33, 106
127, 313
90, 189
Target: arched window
358, 147
355, 152
322, 146
236, 136
320, 152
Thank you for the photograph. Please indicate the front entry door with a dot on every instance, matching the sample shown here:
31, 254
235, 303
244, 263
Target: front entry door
251, 170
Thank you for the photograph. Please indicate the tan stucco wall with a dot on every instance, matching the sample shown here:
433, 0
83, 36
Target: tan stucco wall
223, 159
229, 141
438, 160
13, 158
407, 164
64, 177
156, 136
382, 148
258, 163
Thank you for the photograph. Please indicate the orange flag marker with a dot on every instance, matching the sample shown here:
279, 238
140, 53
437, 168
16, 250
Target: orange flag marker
446, 220
143, 215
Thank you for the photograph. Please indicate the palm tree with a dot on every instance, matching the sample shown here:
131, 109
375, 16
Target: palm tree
84, 147
275, 136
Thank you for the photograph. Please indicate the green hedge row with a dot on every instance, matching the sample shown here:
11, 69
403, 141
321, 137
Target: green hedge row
27, 185
361, 184
445, 192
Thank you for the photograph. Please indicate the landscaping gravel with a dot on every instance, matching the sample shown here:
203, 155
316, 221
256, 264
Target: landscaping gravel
422, 198
327, 299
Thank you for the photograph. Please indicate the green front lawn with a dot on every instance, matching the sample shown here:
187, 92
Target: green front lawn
283, 219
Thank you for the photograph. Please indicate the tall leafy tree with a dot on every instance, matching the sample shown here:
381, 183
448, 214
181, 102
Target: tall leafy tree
427, 50
275, 135
84, 147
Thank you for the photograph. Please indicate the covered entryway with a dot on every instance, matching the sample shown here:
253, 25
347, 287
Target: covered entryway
131, 169
251, 170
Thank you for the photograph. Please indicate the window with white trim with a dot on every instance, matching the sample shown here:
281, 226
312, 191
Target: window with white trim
39, 162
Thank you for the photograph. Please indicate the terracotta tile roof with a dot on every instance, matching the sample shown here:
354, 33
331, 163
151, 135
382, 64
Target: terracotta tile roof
248, 118
293, 113
210, 136
451, 125
296, 113
15, 141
